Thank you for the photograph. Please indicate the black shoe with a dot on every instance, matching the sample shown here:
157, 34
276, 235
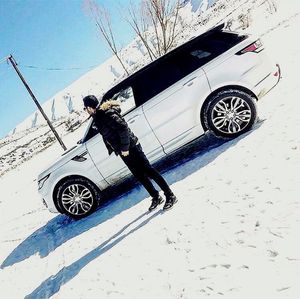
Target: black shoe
155, 202
170, 201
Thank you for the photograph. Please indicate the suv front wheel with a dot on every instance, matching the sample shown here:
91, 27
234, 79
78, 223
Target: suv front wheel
230, 113
77, 197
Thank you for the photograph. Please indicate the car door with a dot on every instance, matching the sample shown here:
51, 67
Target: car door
174, 111
112, 167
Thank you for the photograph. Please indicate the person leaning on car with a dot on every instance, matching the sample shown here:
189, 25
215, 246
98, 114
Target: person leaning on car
118, 138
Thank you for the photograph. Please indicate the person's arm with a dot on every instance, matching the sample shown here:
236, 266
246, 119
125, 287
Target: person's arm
121, 127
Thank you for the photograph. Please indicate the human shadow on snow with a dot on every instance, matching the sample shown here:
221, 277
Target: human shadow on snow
51, 285
175, 168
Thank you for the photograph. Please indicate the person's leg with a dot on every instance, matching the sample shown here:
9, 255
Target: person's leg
133, 164
170, 197
136, 166
144, 166
151, 172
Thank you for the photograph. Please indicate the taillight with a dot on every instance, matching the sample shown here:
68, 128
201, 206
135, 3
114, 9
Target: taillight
256, 47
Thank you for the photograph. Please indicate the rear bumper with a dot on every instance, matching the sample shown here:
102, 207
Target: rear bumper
269, 82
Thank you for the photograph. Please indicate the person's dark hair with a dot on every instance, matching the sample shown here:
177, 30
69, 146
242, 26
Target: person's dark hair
90, 101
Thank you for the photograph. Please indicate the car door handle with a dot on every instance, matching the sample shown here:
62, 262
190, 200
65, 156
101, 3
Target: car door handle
189, 82
132, 119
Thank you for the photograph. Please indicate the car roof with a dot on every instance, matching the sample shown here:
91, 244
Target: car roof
126, 81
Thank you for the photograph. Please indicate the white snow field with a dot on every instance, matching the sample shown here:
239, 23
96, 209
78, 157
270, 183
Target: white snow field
233, 233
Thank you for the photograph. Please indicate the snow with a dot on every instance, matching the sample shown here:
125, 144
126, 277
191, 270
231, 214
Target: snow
233, 233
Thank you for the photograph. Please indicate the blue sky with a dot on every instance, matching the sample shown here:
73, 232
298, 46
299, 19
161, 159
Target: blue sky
48, 34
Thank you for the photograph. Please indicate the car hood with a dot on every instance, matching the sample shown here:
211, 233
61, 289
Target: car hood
63, 159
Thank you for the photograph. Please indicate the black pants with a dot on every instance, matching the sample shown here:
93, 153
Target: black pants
141, 168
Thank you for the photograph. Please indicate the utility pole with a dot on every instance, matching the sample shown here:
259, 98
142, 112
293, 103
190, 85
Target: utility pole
14, 64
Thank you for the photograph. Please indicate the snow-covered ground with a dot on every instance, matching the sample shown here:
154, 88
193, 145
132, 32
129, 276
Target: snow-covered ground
233, 233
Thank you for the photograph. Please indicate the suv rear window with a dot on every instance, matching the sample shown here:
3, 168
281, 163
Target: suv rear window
203, 49
225, 38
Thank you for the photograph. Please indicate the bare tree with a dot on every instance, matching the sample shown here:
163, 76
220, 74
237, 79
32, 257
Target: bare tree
271, 6
102, 19
157, 23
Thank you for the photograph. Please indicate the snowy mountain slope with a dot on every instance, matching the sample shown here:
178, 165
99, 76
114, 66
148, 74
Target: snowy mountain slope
233, 233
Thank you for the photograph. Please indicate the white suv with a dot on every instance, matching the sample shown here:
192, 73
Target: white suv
212, 82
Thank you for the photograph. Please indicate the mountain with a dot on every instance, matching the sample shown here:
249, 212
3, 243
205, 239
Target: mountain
199, 6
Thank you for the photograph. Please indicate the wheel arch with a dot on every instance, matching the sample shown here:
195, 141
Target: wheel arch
215, 92
64, 179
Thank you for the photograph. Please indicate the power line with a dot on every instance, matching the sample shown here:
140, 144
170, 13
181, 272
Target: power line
5, 59
56, 68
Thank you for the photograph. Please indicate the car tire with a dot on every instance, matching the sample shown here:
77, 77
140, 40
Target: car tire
231, 113
77, 197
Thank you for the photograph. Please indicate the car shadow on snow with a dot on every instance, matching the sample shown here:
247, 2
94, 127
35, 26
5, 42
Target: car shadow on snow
175, 168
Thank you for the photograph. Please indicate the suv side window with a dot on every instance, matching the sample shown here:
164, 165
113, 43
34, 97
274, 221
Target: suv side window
155, 80
191, 59
92, 131
126, 97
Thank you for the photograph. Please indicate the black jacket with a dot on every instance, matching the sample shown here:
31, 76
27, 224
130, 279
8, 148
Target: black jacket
116, 134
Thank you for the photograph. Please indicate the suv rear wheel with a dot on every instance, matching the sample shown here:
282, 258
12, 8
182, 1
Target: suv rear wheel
231, 113
77, 197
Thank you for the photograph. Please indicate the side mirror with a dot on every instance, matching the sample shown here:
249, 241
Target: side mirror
80, 141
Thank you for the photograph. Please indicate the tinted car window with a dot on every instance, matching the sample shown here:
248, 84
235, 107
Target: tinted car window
126, 98
156, 79
92, 131
202, 50
125, 95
